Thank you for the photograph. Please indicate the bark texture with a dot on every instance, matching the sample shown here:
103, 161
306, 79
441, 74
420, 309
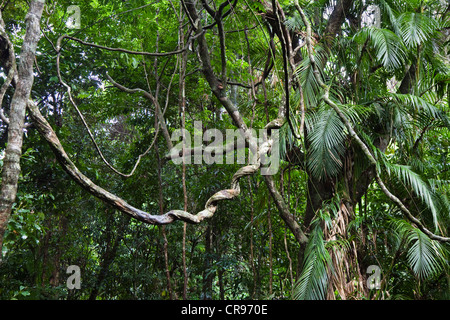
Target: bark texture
13, 152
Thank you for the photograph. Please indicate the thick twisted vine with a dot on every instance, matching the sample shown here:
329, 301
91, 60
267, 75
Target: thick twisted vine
118, 203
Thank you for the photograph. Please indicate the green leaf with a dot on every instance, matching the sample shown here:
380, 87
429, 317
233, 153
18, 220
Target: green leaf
313, 281
389, 48
311, 88
416, 28
420, 187
424, 255
94, 4
419, 104
326, 137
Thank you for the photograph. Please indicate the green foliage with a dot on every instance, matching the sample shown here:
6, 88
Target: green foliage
311, 89
416, 28
412, 180
327, 143
55, 223
427, 258
313, 281
389, 48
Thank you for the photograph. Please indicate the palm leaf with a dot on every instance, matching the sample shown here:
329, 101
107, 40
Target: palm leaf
418, 104
389, 48
326, 135
416, 28
425, 256
295, 22
391, 14
313, 281
418, 185
286, 138
311, 88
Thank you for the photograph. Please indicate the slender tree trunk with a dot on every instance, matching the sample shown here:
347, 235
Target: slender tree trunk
291, 276
269, 220
13, 153
110, 252
284, 211
221, 284
163, 228
207, 275
161, 211
252, 255
183, 125
182, 102
166, 262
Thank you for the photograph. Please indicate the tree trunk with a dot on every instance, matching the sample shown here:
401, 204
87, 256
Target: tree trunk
163, 229
182, 107
110, 252
269, 222
11, 162
207, 274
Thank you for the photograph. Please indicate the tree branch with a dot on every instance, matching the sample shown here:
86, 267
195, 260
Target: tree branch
285, 214
149, 96
286, 53
219, 92
142, 53
214, 83
146, 94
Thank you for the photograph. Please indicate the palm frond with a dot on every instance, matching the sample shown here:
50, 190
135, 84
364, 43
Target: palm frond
286, 139
418, 185
442, 199
416, 28
295, 22
419, 104
389, 48
326, 135
313, 281
356, 113
390, 13
311, 88
426, 257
